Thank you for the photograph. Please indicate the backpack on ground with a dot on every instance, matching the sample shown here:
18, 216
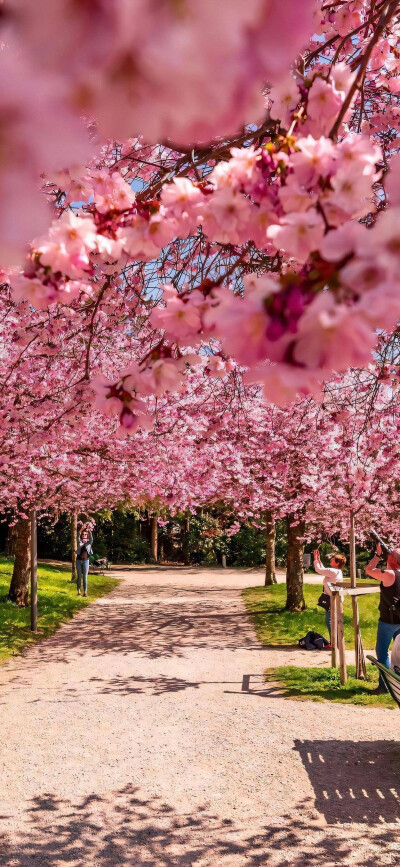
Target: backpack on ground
313, 641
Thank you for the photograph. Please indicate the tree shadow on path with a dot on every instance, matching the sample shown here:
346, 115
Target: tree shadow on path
127, 828
132, 620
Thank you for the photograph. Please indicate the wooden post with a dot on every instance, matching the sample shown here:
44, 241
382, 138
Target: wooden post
358, 647
33, 571
341, 644
334, 637
361, 671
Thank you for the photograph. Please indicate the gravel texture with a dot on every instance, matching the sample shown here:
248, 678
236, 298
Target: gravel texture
142, 733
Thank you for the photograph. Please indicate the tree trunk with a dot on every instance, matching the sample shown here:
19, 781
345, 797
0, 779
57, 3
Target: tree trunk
21, 576
294, 564
74, 542
154, 537
10, 541
270, 574
186, 529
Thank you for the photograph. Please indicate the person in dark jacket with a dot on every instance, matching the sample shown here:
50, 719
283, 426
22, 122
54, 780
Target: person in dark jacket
389, 610
82, 560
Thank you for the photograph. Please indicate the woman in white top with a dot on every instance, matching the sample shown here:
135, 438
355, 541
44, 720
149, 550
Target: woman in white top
332, 575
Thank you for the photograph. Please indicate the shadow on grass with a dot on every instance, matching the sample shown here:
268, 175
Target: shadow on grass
276, 627
57, 603
323, 684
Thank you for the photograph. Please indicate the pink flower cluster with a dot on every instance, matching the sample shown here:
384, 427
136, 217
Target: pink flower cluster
166, 70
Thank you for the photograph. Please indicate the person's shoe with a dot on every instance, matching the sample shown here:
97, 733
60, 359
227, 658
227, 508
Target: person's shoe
380, 690
85, 594
79, 592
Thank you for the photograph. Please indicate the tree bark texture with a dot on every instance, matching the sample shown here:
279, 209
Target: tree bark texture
185, 545
154, 537
21, 576
74, 543
270, 573
294, 564
10, 542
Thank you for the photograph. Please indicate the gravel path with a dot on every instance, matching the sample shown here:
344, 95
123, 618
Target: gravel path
142, 733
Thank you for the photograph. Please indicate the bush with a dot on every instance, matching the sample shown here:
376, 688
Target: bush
247, 547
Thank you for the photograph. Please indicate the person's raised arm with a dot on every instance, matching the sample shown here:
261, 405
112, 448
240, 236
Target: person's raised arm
387, 576
319, 568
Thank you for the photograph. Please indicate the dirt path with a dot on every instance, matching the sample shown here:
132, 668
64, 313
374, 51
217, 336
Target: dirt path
142, 734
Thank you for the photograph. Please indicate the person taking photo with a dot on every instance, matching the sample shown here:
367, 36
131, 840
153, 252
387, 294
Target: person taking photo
82, 560
332, 575
389, 605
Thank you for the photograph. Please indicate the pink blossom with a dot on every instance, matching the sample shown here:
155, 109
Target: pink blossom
313, 159
355, 151
69, 242
340, 242
243, 321
332, 336
342, 78
383, 240
363, 274
298, 234
392, 181
137, 242
295, 198
167, 376
227, 217
350, 190
284, 97
182, 200
180, 320
112, 193
324, 103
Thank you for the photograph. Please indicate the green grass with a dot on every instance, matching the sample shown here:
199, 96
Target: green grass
276, 627
323, 684
57, 601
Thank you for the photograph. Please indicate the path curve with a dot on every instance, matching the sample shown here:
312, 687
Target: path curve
142, 733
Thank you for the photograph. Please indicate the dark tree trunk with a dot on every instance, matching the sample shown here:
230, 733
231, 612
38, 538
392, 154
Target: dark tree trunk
74, 543
10, 541
19, 587
154, 537
294, 564
185, 546
270, 574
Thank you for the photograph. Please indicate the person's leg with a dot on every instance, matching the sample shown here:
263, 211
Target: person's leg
328, 621
385, 633
85, 570
78, 575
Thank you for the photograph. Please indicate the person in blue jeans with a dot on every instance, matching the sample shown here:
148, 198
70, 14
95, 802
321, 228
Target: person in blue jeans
389, 613
82, 560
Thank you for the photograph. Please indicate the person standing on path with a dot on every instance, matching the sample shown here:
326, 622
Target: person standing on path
82, 560
389, 609
332, 575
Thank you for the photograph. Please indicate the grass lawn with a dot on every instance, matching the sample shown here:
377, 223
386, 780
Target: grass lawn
275, 626
57, 601
323, 684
